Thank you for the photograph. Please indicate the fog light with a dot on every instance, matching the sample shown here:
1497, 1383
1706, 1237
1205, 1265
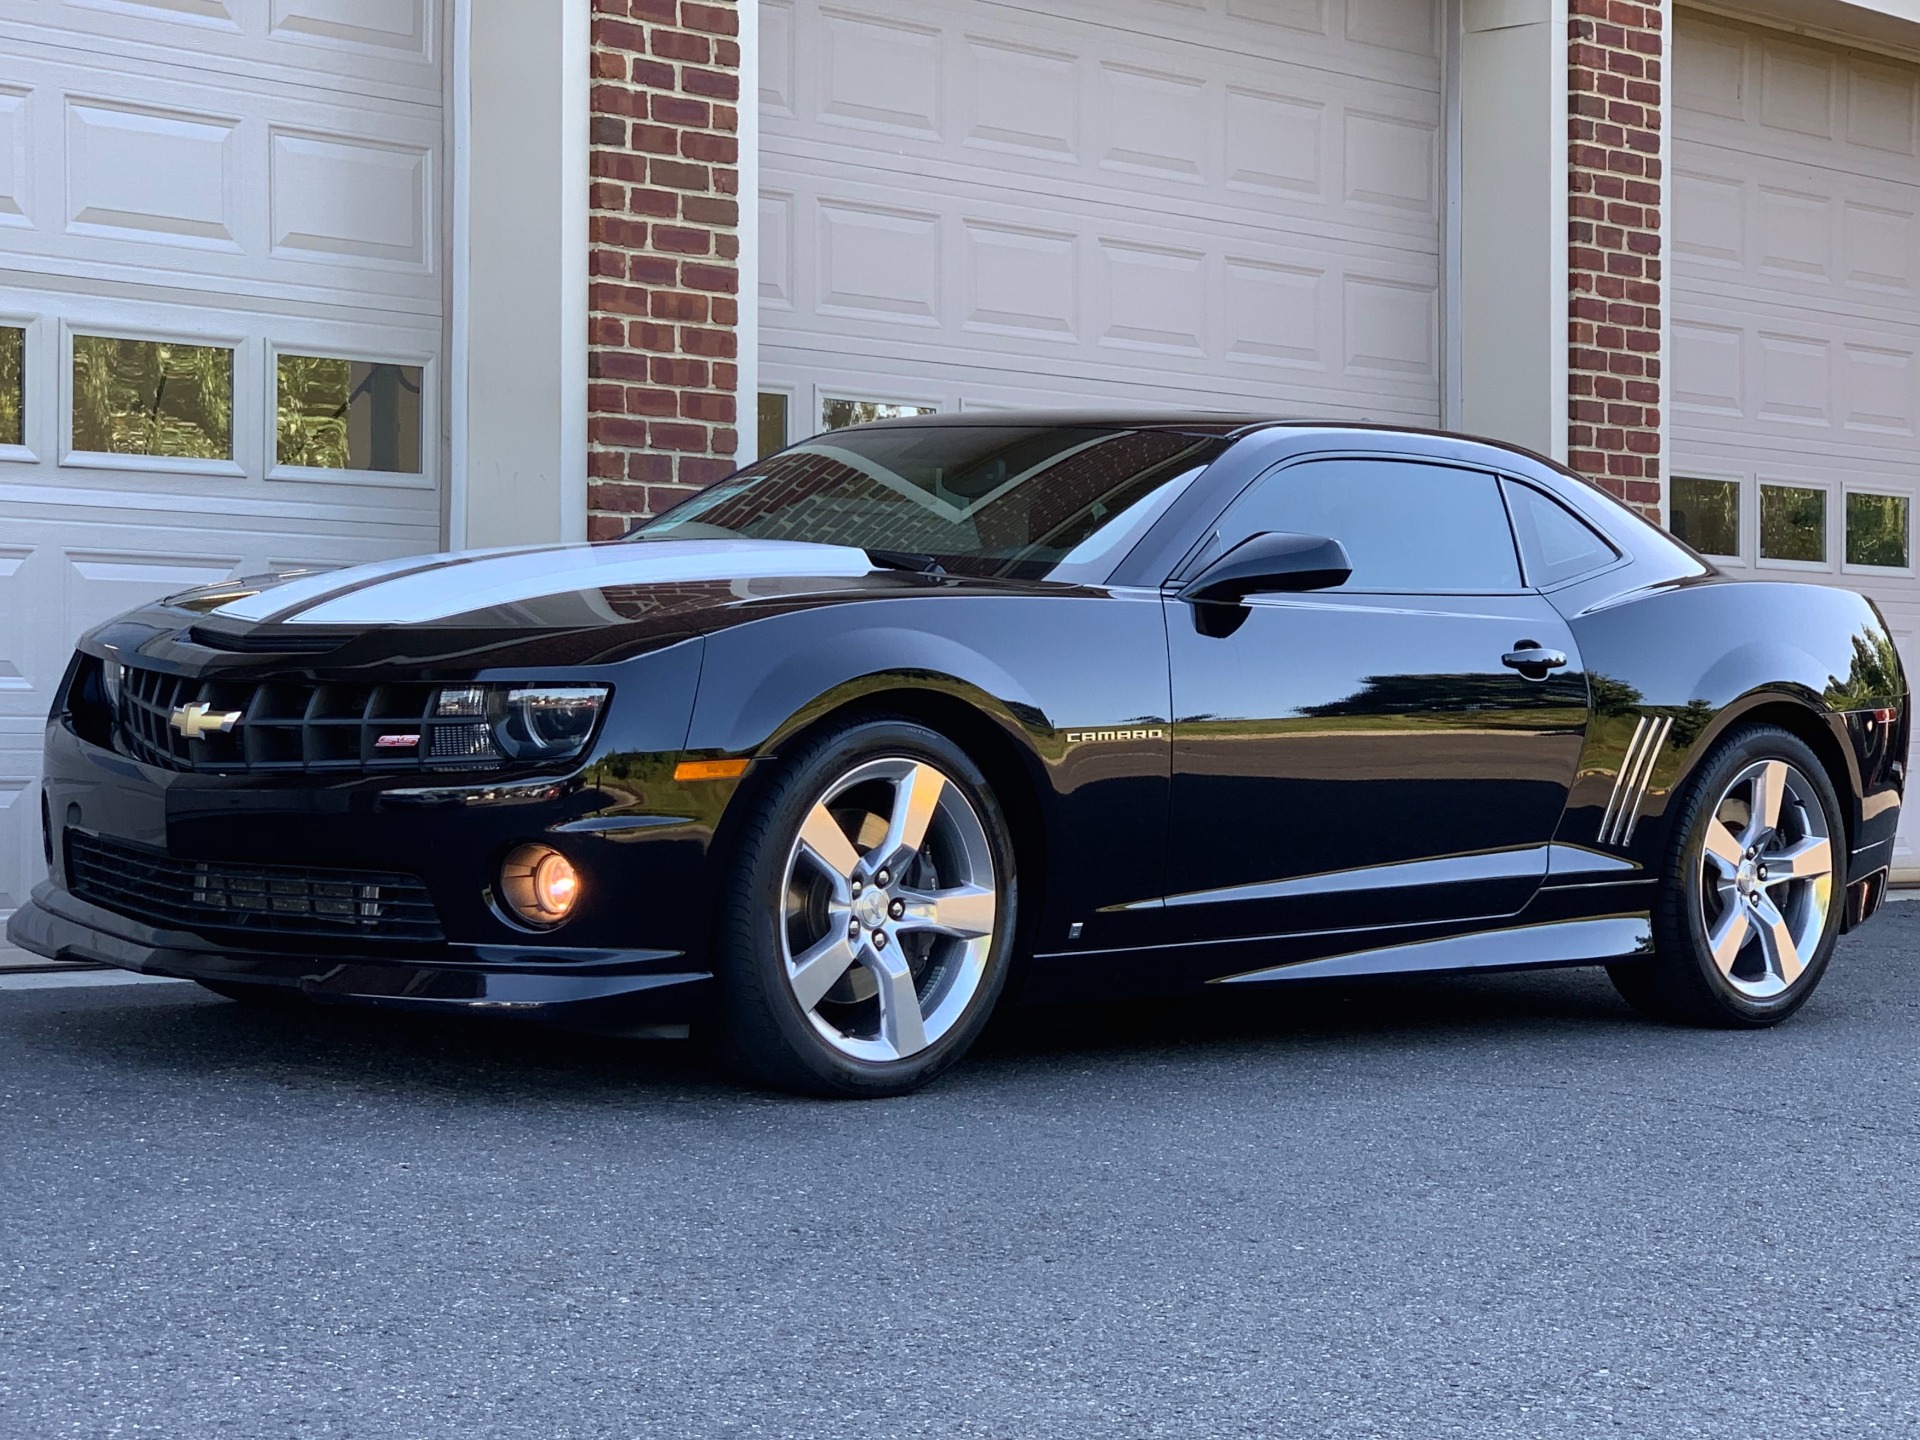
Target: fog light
539, 885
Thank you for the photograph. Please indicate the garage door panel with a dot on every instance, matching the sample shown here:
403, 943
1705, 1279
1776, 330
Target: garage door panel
1203, 306
1091, 103
1796, 325
391, 48
222, 184
1137, 202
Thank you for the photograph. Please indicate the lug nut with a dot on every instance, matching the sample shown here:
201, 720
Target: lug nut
897, 909
879, 939
857, 887
883, 879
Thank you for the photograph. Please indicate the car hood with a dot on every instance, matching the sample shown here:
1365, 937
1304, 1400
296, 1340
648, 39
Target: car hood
507, 586
540, 605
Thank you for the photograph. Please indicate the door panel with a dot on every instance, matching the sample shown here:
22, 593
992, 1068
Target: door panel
1367, 759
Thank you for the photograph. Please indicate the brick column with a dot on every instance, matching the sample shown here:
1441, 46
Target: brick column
1615, 110
665, 238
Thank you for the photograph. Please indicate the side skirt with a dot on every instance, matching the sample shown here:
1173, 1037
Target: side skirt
1592, 924
1524, 947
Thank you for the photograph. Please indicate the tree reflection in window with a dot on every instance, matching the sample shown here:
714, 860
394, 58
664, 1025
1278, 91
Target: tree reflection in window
334, 414
1793, 523
13, 385
152, 397
1877, 530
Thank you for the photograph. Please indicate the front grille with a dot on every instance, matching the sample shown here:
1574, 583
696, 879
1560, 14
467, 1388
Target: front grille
216, 896
288, 725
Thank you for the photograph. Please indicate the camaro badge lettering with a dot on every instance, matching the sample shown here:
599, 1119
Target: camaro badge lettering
1078, 737
394, 742
198, 719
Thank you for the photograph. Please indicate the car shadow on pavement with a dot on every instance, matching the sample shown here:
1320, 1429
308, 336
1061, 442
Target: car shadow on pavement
183, 1032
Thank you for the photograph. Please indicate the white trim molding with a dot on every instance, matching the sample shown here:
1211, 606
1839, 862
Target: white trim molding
521, 124
1513, 222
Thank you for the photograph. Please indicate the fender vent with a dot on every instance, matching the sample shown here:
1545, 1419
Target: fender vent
1630, 785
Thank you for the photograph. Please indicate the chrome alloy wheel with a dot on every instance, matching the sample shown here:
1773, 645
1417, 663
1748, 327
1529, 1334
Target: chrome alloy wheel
1766, 879
890, 902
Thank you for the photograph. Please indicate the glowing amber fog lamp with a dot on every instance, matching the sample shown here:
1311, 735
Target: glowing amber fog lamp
539, 885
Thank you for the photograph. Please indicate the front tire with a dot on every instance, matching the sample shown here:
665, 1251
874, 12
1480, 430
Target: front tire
866, 929
1746, 919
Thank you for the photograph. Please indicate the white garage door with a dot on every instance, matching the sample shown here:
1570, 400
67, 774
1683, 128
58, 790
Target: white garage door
220, 314
1796, 325
982, 204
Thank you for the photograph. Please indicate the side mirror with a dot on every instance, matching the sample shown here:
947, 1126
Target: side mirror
1272, 562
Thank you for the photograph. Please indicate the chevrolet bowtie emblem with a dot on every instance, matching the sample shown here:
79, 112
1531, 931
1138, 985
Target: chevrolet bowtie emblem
196, 720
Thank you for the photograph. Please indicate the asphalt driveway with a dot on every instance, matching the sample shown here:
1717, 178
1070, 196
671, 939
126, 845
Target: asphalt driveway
1489, 1207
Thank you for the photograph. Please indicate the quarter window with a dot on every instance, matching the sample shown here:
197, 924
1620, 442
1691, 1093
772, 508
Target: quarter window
1406, 526
1793, 523
152, 397
1877, 530
334, 414
13, 385
1557, 544
1706, 514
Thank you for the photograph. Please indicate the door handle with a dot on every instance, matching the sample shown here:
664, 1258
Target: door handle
1532, 660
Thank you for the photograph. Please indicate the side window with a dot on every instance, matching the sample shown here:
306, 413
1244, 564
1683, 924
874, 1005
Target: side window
1406, 526
1556, 544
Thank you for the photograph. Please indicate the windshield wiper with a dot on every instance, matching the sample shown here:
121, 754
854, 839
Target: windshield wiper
905, 560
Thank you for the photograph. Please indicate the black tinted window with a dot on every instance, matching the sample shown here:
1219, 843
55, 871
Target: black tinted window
1013, 500
1558, 545
1406, 526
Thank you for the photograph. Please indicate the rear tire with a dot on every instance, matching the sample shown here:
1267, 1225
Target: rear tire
869, 915
1747, 913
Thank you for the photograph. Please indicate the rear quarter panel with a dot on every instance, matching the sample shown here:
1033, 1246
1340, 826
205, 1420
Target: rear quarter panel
1709, 654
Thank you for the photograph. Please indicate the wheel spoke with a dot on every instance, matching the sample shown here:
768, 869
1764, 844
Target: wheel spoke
1729, 933
1723, 847
1769, 790
822, 838
915, 797
901, 1024
819, 968
966, 912
1807, 860
1776, 940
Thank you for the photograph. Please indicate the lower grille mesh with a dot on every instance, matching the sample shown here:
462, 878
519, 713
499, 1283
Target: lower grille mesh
215, 896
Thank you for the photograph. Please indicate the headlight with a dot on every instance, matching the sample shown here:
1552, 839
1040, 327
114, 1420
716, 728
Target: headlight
484, 723
110, 674
549, 722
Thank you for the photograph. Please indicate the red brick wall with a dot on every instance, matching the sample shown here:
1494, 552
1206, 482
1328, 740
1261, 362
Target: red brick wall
1616, 58
665, 293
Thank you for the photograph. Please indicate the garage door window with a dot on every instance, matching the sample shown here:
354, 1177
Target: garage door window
1706, 514
773, 423
152, 397
838, 414
337, 414
1793, 524
1878, 530
13, 385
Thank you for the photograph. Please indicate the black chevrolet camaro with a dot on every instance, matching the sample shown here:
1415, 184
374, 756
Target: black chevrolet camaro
912, 716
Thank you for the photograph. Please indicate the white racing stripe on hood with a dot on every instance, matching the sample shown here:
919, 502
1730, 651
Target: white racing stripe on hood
276, 599
501, 578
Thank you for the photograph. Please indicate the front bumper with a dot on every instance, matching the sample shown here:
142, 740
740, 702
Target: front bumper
617, 989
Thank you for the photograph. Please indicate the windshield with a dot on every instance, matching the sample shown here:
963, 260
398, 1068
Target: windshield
1013, 501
